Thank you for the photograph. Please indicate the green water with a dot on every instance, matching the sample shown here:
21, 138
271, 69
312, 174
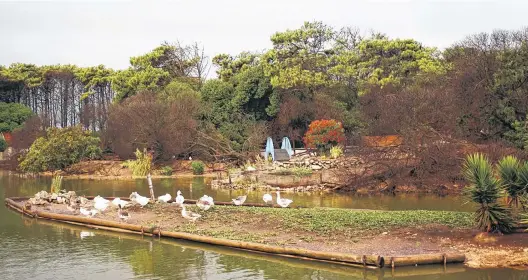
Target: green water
37, 249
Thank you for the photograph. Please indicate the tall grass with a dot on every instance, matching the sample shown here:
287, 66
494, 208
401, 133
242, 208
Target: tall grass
56, 184
142, 165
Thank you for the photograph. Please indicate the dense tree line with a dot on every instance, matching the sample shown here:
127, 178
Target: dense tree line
474, 90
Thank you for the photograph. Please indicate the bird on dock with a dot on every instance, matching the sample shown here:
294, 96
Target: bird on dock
191, 216
165, 198
142, 200
239, 200
205, 202
283, 202
123, 215
267, 198
179, 198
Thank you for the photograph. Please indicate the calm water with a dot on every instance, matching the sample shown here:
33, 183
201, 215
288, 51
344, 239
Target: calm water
35, 249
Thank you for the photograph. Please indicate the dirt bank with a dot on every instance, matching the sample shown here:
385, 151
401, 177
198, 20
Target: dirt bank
387, 233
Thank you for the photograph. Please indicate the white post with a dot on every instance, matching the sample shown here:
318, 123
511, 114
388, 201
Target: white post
151, 188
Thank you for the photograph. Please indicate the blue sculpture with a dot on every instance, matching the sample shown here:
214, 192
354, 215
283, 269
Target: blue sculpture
270, 150
286, 145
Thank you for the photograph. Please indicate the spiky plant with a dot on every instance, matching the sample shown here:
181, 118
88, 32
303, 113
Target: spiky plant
509, 170
484, 189
523, 182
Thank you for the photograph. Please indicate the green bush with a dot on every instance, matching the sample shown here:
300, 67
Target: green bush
60, 148
166, 170
297, 171
3, 145
198, 167
141, 165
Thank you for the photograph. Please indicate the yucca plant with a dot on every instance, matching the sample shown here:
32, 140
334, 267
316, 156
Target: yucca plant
484, 189
513, 177
523, 183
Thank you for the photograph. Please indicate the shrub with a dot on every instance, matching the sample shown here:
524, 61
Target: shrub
60, 148
3, 145
336, 152
141, 165
324, 134
166, 170
484, 189
297, 171
13, 115
198, 167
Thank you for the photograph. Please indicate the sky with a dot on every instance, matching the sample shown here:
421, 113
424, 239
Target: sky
88, 33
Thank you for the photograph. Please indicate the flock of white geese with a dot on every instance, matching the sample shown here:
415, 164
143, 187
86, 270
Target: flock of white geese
101, 204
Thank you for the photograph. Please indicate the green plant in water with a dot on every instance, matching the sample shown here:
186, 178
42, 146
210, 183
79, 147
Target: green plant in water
166, 170
484, 189
141, 165
297, 171
56, 184
197, 167
513, 178
336, 152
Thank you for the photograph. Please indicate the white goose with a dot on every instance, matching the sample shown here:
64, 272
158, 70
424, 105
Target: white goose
165, 198
119, 202
86, 212
283, 202
142, 200
205, 202
191, 216
239, 200
100, 200
267, 198
101, 205
179, 198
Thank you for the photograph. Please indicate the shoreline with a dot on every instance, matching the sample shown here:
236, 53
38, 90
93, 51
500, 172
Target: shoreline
412, 233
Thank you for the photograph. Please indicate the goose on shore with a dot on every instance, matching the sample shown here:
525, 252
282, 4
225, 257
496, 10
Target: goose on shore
141, 200
283, 202
123, 215
119, 202
205, 202
179, 198
101, 200
87, 212
101, 206
191, 216
239, 200
165, 198
267, 198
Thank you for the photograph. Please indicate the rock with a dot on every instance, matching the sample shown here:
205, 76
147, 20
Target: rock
315, 167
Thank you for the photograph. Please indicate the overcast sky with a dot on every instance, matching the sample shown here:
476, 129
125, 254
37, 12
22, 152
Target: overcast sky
89, 33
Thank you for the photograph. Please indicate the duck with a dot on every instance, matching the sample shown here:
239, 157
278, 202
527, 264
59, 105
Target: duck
283, 202
205, 202
165, 198
123, 215
239, 200
101, 200
133, 195
179, 198
142, 200
191, 216
267, 198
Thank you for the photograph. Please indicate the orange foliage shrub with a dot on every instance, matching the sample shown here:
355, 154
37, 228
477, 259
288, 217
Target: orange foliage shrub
323, 134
